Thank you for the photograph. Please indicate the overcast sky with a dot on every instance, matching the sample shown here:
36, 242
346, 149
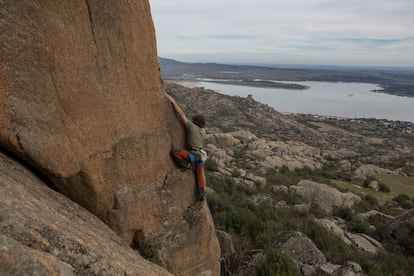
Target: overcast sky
329, 32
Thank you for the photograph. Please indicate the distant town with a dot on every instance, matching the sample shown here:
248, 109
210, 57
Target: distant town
400, 126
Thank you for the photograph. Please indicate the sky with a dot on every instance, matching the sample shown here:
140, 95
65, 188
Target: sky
324, 32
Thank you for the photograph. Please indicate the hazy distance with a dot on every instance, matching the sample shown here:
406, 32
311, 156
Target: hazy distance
325, 32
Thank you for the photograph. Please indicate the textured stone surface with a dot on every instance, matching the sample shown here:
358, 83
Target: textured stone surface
364, 171
365, 243
244, 263
377, 215
300, 248
241, 148
226, 243
280, 191
401, 231
335, 226
323, 195
349, 269
261, 198
44, 233
81, 101
304, 253
338, 227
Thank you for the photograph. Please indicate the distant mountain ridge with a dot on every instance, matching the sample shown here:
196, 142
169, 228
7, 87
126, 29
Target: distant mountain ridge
392, 82
305, 66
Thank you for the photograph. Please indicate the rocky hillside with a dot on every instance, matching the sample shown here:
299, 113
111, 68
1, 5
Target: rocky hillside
305, 195
82, 106
335, 138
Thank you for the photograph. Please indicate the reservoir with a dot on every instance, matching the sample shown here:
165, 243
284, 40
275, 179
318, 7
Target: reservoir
350, 100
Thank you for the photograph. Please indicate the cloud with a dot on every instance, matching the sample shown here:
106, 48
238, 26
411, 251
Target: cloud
288, 29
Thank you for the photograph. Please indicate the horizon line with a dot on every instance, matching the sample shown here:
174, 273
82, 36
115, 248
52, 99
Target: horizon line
296, 65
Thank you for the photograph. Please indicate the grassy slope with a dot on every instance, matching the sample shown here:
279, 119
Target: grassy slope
397, 184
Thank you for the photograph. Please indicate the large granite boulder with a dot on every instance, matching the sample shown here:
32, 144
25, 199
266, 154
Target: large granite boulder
309, 259
81, 102
322, 195
304, 253
300, 248
401, 231
44, 233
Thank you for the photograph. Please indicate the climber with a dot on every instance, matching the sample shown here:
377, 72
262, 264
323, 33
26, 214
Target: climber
195, 139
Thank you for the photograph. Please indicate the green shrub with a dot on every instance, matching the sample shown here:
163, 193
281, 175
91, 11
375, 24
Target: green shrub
359, 226
344, 213
384, 188
254, 227
368, 203
285, 178
149, 250
404, 201
389, 264
369, 180
211, 165
400, 198
276, 263
373, 201
407, 204
284, 169
236, 173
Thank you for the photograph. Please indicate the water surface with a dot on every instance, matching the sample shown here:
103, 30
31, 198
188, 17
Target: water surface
351, 100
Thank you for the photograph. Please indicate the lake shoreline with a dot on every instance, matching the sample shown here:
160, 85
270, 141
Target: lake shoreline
331, 99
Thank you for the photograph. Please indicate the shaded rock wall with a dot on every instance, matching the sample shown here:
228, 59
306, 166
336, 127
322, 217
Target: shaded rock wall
81, 100
44, 233
401, 231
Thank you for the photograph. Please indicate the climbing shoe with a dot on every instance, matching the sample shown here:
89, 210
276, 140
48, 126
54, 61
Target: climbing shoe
202, 195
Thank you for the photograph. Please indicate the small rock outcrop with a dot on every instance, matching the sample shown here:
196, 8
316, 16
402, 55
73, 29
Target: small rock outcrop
377, 215
44, 233
338, 227
300, 248
322, 195
226, 243
364, 171
349, 269
243, 263
310, 259
401, 231
82, 102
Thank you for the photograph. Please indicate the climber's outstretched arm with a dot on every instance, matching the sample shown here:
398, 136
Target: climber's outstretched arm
177, 109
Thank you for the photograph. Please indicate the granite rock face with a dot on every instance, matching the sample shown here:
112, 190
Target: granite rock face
44, 233
81, 102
